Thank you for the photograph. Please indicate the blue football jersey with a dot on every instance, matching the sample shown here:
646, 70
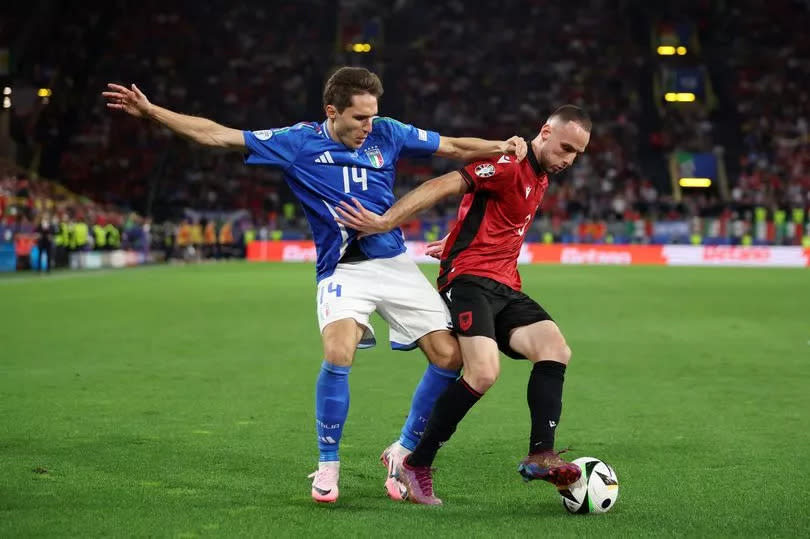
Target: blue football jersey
322, 172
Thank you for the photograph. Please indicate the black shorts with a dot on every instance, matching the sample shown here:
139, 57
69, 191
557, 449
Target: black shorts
482, 307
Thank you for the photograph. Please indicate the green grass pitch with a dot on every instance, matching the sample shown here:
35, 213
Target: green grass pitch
178, 402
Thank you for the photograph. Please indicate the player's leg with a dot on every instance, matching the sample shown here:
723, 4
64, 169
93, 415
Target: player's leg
340, 339
417, 316
444, 356
544, 345
441, 349
343, 311
481, 369
472, 314
532, 334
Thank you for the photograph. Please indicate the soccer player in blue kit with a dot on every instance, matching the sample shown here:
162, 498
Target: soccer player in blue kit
351, 154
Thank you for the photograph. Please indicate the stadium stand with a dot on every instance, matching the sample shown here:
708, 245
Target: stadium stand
246, 65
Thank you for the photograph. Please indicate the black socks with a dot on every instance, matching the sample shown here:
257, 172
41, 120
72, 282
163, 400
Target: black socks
450, 409
544, 396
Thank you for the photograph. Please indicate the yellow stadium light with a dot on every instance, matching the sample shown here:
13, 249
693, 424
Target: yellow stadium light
7, 102
695, 182
7, 91
681, 50
44, 92
666, 50
361, 47
680, 97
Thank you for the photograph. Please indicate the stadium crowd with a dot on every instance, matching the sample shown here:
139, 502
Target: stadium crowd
772, 98
256, 67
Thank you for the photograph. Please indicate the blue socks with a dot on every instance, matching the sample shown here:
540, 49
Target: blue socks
331, 409
332, 406
433, 384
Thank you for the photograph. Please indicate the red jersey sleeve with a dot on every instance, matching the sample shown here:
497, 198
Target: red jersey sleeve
480, 175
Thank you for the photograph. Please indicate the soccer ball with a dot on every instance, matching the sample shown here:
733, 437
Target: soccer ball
596, 491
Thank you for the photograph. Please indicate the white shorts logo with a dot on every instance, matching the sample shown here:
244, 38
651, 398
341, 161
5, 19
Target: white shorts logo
264, 134
485, 171
422, 135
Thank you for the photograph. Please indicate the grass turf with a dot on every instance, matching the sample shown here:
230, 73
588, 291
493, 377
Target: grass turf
178, 402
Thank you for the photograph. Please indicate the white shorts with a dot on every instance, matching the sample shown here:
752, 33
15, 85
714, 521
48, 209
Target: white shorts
395, 288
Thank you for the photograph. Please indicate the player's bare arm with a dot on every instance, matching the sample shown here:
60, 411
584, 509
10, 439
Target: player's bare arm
200, 130
421, 198
469, 148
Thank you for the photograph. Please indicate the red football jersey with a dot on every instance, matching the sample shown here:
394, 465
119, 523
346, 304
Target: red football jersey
493, 218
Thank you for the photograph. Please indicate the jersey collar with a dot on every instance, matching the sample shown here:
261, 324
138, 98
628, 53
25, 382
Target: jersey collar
533, 161
326, 134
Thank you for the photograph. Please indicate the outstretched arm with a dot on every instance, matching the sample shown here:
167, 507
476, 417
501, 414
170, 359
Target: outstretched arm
470, 149
200, 130
421, 198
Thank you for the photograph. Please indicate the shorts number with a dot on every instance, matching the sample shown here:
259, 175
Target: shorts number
332, 289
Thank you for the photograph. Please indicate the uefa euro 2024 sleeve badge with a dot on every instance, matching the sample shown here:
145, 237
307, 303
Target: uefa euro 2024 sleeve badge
485, 170
264, 134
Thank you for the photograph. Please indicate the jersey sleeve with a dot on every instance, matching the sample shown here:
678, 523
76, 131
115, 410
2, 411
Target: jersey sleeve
274, 147
485, 174
410, 141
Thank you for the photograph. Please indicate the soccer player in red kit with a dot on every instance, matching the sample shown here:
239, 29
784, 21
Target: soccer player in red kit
481, 285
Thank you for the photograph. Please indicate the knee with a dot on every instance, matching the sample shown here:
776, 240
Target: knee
444, 352
564, 354
559, 352
338, 353
482, 377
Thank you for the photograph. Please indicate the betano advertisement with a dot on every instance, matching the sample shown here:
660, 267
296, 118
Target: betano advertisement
536, 253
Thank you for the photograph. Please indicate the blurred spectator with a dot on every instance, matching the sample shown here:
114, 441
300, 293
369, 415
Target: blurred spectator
480, 71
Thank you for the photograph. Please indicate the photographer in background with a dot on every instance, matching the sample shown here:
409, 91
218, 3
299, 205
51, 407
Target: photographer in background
45, 232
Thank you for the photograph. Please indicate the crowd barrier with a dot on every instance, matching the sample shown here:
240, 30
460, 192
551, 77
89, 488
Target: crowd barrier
537, 253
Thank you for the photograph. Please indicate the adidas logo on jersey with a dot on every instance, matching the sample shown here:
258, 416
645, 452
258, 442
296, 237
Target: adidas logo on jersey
325, 157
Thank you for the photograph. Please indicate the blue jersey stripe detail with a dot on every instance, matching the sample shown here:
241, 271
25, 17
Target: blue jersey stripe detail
344, 234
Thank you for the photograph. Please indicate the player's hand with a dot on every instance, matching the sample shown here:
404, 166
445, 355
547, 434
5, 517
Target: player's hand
132, 101
516, 146
359, 218
436, 248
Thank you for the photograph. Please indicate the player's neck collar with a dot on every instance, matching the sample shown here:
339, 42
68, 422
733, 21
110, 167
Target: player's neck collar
538, 170
328, 134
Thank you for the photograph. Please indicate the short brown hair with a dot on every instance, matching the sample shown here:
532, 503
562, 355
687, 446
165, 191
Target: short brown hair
572, 113
347, 82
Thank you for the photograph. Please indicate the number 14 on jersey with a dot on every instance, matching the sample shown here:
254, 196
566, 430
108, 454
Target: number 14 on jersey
358, 175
